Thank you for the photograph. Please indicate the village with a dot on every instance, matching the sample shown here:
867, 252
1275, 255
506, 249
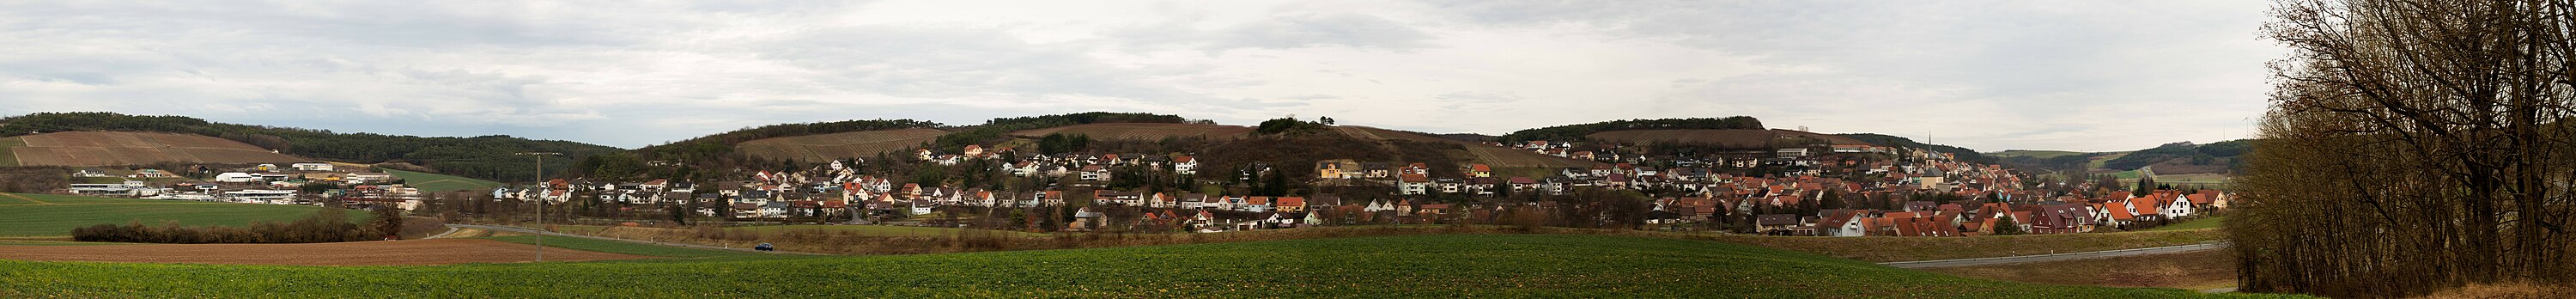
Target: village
1824, 190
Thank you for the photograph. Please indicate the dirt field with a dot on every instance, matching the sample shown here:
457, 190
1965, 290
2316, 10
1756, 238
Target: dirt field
133, 148
837, 146
1141, 131
1729, 138
410, 252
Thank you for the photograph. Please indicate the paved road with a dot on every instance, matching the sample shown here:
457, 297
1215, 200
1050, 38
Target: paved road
2054, 257
535, 231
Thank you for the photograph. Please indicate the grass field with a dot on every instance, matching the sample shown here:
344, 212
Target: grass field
431, 182
872, 230
7, 158
2199, 270
639, 248
2203, 223
1445, 266
1896, 249
56, 215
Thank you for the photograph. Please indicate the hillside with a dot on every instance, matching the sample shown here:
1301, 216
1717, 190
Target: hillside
1962, 153
485, 157
1579, 131
1574, 266
1140, 131
836, 146
2185, 158
56, 215
1736, 138
131, 148
1475, 152
431, 182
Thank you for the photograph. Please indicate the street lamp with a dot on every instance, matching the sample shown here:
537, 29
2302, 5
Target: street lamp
541, 202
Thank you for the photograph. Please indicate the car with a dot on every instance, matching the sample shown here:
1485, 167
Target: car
764, 247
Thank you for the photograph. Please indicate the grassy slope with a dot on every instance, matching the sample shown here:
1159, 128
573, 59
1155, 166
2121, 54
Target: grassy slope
1376, 267
8, 158
432, 182
872, 230
63, 212
2203, 223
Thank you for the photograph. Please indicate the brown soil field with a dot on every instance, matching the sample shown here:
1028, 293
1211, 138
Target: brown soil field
135, 148
1728, 138
1476, 152
373, 253
2191, 270
1141, 131
836, 146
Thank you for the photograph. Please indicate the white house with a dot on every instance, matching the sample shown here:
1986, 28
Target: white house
2177, 208
311, 166
235, 177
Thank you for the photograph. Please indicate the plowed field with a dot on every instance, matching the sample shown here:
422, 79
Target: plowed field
135, 148
1141, 131
836, 146
409, 252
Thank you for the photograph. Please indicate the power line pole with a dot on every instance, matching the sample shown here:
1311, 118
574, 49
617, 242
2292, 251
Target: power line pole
541, 201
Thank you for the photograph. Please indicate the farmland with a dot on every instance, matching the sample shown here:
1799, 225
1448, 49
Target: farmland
1140, 131
56, 215
2042, 154
1896, 249
870, 230
1476, 153
134, 148
836, 146
1414, 266
2203, 223
2206, 269
431, 182
412, 252
623, 247
6, 157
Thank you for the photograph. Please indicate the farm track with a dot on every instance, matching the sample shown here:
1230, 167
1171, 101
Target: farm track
28, 199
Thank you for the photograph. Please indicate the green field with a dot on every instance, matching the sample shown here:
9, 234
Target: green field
1429, 266
872, 230
56, 215
8, 158
431, 182
608, 246
2203, 223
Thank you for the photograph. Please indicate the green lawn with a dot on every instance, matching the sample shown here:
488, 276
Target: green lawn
872, 230
608, 246
1428, 266
56, 215
2211, 222
432, 182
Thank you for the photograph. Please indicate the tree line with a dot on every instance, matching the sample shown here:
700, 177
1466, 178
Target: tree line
324, 225
2412, 146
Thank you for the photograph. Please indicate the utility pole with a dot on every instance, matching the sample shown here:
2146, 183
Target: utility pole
541, 202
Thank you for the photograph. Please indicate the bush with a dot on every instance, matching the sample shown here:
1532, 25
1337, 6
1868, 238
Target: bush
325, 225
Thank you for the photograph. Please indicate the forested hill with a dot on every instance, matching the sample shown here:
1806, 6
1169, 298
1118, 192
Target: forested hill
1964, 154
2185, 157
1578, 131
484, 157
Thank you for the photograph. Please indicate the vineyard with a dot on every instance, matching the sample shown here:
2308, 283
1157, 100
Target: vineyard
1724, 138
132, 148
1476, 153
836, 146
1374, 267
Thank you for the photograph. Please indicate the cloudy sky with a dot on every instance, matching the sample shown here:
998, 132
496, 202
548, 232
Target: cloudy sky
2092, 76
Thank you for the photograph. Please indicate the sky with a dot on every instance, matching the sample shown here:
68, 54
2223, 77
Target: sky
1988, 75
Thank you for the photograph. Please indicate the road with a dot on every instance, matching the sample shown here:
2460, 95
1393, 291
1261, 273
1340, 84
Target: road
2054, 257
684, 245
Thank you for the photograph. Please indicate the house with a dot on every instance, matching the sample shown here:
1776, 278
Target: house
1775, 224
1291, 204
235, 177
1415, 184
1844, 223
1185, 165
1094, 173
1480, 170
311, 166
973, 150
